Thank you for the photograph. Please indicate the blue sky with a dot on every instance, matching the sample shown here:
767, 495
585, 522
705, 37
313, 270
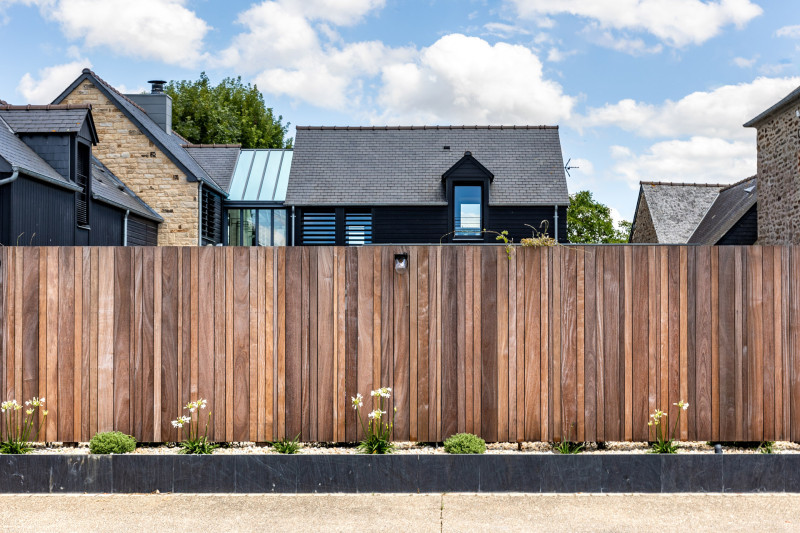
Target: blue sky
642, 89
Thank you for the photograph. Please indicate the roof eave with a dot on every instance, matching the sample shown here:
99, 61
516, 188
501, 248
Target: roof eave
143, 213
33, 174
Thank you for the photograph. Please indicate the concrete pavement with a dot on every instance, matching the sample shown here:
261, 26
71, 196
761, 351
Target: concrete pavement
425, 512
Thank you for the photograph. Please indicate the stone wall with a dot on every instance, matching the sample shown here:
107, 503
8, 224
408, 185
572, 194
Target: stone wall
129, 154
778, 144
643, 231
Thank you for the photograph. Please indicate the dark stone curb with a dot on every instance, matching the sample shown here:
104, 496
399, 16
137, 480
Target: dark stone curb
399, 473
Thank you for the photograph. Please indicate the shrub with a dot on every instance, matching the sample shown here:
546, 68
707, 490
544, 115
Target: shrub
464, 443
112, 442
287, 445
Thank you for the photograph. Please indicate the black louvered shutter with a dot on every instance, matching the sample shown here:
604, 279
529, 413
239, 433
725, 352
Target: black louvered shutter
83, 172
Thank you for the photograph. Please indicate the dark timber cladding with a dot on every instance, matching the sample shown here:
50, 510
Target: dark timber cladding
578, 342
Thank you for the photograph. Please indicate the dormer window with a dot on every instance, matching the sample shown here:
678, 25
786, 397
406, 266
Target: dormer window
467, 188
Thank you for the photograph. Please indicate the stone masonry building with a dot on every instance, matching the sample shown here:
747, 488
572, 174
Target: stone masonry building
778, 142
151, 159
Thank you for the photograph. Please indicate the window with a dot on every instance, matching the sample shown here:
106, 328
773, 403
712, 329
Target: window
212, 218
83, 172
357, 228
319, 227
257, 227
467, 211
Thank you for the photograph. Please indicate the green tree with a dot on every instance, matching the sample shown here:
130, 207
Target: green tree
229, 113
589, 221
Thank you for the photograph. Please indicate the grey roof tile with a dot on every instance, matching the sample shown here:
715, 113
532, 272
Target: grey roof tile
40, 119
677, 208
108, 188
730, 205
20, 155
404, 165
218, 160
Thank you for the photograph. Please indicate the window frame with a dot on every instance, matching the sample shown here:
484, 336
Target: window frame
258, 208
468, 171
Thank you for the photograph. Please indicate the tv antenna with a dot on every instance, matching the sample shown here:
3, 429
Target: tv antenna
568, 168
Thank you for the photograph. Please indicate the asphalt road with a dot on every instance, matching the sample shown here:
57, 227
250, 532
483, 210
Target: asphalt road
427, 512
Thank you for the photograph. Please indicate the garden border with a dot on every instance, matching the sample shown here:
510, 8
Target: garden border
407, 473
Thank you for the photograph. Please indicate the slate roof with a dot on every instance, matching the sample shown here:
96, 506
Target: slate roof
218, 160
404, 165
108, 188
728, 208
677, 208
20, 155
788, 99
47, 118
170, 144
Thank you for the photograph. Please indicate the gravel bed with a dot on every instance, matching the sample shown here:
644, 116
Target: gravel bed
422, 448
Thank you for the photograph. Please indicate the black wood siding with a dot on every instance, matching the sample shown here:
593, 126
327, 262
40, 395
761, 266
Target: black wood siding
428, 224
745, 231
39, 214
55, 149
142, 232
106, 225
514, 220
5, 212
409, 224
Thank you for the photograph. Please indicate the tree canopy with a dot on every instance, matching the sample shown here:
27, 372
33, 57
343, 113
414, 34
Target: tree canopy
589, 221
229, 113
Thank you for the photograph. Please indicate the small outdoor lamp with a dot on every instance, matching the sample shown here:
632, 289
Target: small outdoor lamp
400, 263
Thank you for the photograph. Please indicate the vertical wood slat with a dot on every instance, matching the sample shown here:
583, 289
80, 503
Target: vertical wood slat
596, 337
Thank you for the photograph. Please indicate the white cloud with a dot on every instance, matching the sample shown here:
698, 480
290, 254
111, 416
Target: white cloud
465, 80
696, 160
676, 22
340, 12
163, 30
504, 31
716, 113
554, 55
596, 34
743, 62
793, 32
50, 81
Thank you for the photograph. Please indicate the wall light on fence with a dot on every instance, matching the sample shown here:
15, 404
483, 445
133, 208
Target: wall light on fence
400, 263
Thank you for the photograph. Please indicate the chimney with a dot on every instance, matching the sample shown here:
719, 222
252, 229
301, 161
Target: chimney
157, 104
156, 86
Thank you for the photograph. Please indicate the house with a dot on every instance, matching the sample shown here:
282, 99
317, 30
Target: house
140, 148
778, 147
429, 184
695, 213
54, 192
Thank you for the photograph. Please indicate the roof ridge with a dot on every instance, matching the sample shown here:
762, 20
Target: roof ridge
44, 107
451, 127
192, 145
732, 185
682, 184
113, 89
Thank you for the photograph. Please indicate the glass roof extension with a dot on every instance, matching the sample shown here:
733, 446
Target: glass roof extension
261, 175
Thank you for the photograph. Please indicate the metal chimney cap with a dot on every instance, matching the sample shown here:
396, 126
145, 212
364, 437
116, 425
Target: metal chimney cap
157, 86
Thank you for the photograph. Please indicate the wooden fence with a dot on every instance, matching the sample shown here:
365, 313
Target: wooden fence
582, 342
